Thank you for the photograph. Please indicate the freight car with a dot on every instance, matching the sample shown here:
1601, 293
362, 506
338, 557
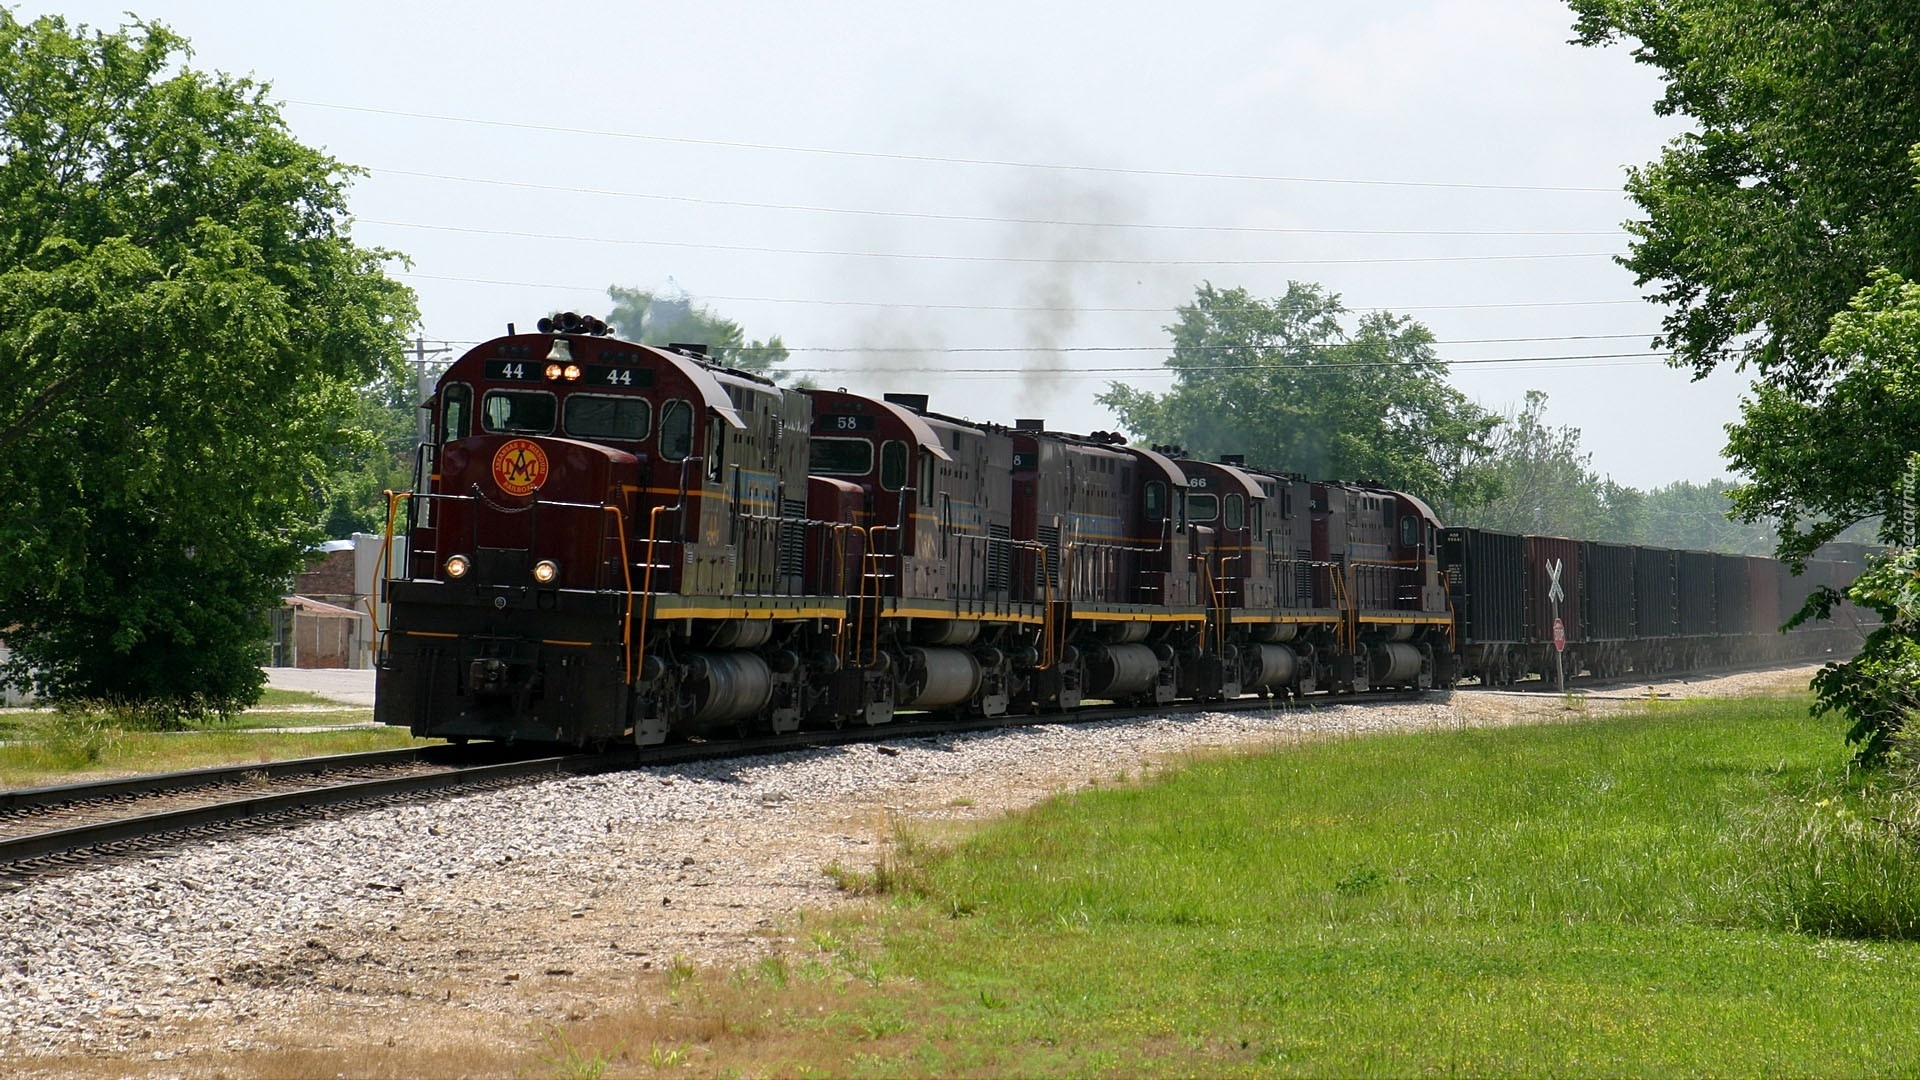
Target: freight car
608, 543
1639, 609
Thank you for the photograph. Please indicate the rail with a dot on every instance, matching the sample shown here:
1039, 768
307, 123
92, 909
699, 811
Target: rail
110, 815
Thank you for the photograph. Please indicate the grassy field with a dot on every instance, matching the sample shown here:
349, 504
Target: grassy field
1625, 896
44, 746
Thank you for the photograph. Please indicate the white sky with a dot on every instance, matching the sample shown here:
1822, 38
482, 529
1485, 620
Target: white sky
616, 133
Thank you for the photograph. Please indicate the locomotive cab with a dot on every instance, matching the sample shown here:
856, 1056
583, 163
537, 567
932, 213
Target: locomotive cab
581, 491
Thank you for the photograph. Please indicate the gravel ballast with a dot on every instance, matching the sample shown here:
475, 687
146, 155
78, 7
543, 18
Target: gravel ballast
530, 904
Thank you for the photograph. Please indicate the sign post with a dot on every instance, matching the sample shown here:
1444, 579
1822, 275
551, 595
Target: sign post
1556, 594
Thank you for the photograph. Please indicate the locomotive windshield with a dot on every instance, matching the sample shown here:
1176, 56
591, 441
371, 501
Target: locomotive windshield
591, 416
840, 457
523, 412
1202, 508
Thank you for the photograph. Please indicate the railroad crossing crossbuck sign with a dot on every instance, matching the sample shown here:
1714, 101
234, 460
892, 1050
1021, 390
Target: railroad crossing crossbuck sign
1556, 594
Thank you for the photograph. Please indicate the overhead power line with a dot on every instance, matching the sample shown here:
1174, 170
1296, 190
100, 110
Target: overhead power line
1277, 369
1017, 259
1012, 375
920, 215
819, 301
1331, 346
1170, 369
937, 159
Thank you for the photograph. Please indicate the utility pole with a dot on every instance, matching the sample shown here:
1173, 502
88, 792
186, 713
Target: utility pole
423, 379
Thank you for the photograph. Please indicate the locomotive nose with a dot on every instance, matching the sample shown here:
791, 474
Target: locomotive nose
487, 676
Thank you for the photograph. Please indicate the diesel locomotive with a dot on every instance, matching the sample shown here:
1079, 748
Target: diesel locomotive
612, 543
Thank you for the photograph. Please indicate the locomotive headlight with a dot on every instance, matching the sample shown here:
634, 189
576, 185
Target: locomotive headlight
545, 571
572, 372
457, 566
553, 371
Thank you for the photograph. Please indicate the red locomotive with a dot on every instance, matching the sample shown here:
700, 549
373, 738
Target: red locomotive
614, 543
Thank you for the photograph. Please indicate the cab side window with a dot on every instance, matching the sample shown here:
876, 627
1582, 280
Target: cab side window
1156, 501
893, 465
676, 431
456, 411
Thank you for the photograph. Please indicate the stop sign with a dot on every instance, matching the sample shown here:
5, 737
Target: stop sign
1559, 635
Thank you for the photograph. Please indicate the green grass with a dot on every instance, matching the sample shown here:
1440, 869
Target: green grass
330, 715
272, 698
46, 746
1608, 897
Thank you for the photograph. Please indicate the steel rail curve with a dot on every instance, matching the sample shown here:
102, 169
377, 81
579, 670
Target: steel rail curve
456, 769
41, 850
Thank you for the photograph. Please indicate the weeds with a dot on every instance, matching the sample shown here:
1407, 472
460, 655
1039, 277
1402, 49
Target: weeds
75, 738
1841, 861
900, 870
679, 972
665, 1057
773, 971
570, 1062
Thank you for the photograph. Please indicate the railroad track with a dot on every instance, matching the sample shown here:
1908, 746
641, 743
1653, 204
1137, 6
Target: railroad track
50, 830
53, 828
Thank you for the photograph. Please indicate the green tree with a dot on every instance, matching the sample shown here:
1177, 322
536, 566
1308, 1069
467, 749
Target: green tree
1879, 687
1623, 513
1285, 383
379, 458
1767, 219
1701, 517
1543, 481
1836, 450
670, 316
184, 324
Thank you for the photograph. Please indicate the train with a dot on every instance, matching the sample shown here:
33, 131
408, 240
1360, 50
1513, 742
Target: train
608, 543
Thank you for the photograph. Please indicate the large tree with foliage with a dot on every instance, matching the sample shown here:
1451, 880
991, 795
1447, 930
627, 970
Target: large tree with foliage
184, 329
1288, 384
670, 316
1543, 482
1762, 223
1784, 232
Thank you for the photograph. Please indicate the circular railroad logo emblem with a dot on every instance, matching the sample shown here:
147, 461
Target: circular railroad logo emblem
519, 467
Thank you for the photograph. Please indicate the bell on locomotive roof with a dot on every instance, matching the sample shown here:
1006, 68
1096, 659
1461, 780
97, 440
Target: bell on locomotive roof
561, 353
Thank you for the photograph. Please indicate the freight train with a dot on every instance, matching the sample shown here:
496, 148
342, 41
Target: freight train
611, 543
